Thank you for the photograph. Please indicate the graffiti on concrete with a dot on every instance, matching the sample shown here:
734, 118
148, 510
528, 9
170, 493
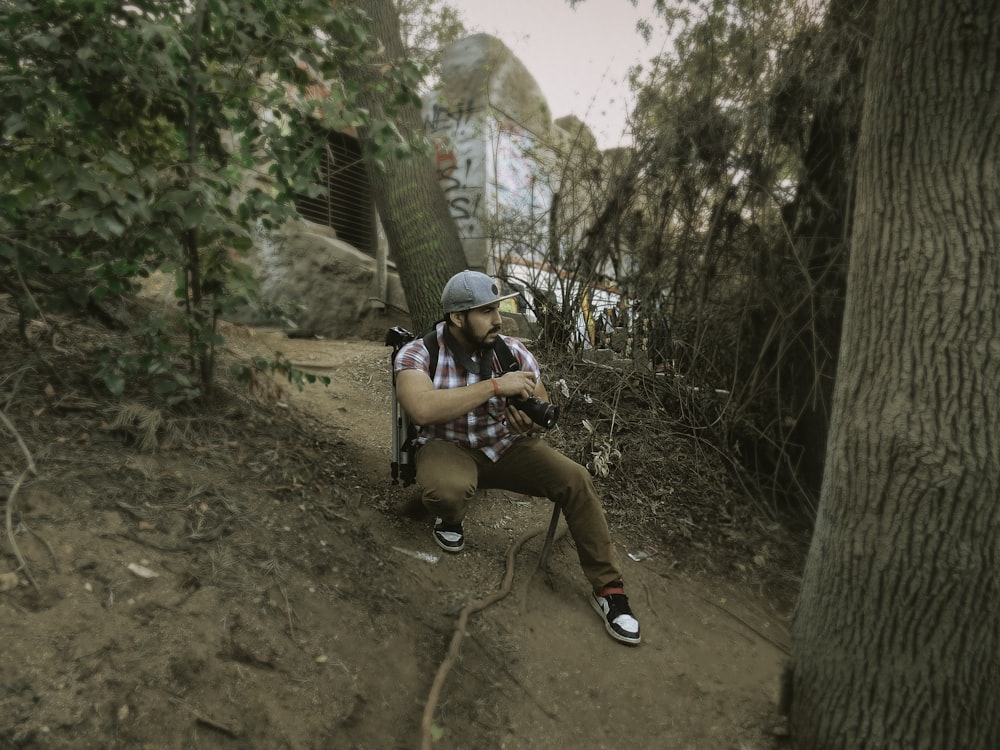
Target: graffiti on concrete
463, 198
460, 156
441, 119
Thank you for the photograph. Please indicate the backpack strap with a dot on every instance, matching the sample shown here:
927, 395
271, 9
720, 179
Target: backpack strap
433, 348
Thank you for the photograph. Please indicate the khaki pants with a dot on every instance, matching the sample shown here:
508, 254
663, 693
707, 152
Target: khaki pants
450, 475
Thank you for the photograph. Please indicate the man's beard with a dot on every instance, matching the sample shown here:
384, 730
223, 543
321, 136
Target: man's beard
481, 344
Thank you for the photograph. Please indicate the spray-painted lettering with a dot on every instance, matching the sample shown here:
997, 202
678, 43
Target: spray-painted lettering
459, 162
440, 118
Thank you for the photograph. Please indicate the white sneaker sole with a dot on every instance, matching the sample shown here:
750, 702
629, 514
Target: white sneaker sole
446, 547
628, 640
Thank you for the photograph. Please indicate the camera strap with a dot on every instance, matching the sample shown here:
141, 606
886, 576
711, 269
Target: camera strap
508, 362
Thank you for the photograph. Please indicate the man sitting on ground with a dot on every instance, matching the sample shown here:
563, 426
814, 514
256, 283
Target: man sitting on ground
472, 437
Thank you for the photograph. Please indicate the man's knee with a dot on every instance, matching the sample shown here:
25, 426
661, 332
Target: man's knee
447, 490
575, 477
446, 475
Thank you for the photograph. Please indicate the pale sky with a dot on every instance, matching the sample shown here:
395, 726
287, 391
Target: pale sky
579, 57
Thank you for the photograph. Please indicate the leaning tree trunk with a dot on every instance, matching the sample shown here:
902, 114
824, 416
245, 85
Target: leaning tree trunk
411, 205
896, 642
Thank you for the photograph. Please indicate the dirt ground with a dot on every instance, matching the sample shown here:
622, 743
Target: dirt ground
248, 577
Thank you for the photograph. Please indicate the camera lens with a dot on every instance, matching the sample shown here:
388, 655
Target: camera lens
541, 412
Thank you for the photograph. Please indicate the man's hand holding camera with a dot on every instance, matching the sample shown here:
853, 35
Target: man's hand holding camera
525, 413
517, 384
518, 422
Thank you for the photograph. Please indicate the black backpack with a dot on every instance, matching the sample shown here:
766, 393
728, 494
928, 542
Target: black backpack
404, 432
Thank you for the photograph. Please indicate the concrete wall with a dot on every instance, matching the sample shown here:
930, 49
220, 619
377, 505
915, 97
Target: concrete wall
485, 92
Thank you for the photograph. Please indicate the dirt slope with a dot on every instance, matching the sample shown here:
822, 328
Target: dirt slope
279, 597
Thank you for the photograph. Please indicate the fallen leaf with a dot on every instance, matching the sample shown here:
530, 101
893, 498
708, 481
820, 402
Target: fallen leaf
142, 571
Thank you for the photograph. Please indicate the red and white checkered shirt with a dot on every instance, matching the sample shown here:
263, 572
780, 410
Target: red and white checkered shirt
482, 427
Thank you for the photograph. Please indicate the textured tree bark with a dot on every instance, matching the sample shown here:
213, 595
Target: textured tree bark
411, 204
896, 642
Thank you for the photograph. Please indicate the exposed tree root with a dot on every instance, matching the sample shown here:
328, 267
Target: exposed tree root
463, 619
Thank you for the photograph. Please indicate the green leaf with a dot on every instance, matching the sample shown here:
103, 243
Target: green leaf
193, 214
115, 383
119, 163
108, 227
163, 387
13, 124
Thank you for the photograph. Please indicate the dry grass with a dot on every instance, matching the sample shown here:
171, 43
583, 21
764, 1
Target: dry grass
656, 447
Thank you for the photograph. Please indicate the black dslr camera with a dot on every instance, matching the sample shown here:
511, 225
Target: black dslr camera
541, 412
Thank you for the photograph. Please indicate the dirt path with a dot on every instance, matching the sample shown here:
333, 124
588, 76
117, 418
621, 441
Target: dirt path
246, 579
705, 676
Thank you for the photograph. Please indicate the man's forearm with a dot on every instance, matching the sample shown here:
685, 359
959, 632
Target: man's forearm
437, 406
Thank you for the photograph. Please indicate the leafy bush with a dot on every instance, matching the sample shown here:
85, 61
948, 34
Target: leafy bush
148, 135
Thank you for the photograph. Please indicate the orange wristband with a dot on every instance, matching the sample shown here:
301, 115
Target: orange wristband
496, 388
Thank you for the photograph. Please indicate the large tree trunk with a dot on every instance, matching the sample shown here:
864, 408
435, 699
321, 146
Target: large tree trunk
411, 204
896, 642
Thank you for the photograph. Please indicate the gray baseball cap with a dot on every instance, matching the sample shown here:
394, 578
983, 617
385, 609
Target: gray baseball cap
470, 289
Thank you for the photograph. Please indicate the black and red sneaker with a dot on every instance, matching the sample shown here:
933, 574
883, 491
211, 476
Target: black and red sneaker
612, 605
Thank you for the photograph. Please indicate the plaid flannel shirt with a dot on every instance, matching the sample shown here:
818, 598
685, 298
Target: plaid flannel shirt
483, 427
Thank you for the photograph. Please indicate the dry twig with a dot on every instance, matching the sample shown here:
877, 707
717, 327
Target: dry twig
756, 631
206, 720
22, 563
288, 612
43, 540
17, 436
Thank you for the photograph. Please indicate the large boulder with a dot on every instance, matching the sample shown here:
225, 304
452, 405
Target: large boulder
312, 281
